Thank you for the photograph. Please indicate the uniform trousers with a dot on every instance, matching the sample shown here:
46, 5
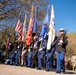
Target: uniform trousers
17, 58
60, 61
49, 59
12, 58
41, 55
34, 58
29, 58
23, 62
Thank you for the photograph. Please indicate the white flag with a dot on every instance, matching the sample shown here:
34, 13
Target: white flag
24, 30
51, 33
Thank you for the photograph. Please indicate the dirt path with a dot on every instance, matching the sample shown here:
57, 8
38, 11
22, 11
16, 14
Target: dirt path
17, 70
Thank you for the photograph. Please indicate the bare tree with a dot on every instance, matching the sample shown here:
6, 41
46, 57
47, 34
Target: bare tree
12, 10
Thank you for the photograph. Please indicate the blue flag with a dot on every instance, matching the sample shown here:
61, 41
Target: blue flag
35, 20
43, 31
46, 19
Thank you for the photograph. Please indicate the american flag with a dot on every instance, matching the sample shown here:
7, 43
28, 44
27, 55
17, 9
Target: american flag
18, 27
8, 43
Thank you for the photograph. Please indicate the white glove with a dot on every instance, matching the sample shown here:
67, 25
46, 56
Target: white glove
55, 52
34, 45
40, 49
29, 49
61, 41
40, 39
34, 37
18, 47
9, 43
23, 48
15, 51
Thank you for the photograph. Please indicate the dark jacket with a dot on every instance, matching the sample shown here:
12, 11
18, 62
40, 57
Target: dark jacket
15, 47
61, 47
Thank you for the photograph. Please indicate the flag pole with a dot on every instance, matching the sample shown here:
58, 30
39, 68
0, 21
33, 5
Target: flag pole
24, 31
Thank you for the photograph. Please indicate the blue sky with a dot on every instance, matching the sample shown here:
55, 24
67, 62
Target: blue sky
65, 14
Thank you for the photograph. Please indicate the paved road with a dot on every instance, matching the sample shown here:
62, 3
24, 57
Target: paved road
16, 70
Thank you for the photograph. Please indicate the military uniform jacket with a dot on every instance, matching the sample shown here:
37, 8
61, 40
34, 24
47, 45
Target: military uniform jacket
61, 47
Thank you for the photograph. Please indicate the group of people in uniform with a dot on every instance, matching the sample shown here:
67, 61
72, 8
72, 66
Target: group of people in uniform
37, 56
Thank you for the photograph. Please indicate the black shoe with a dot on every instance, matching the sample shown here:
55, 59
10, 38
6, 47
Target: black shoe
39, 68
21, 65
28, 66
58, 71
51, 69
32, 67
0, 62
16, 65
47, 70
11, 64
64, 72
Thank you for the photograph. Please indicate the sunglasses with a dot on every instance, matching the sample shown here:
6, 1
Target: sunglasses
61, 30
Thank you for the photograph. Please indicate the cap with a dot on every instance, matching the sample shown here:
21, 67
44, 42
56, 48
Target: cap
62, 29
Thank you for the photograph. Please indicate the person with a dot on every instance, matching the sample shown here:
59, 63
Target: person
18, 53
0, 52
42, 51
23, 54
7, 60
41, 54
35, 50
29, 55
61, 44
50, 55
30, 51
42, 47
13, 53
